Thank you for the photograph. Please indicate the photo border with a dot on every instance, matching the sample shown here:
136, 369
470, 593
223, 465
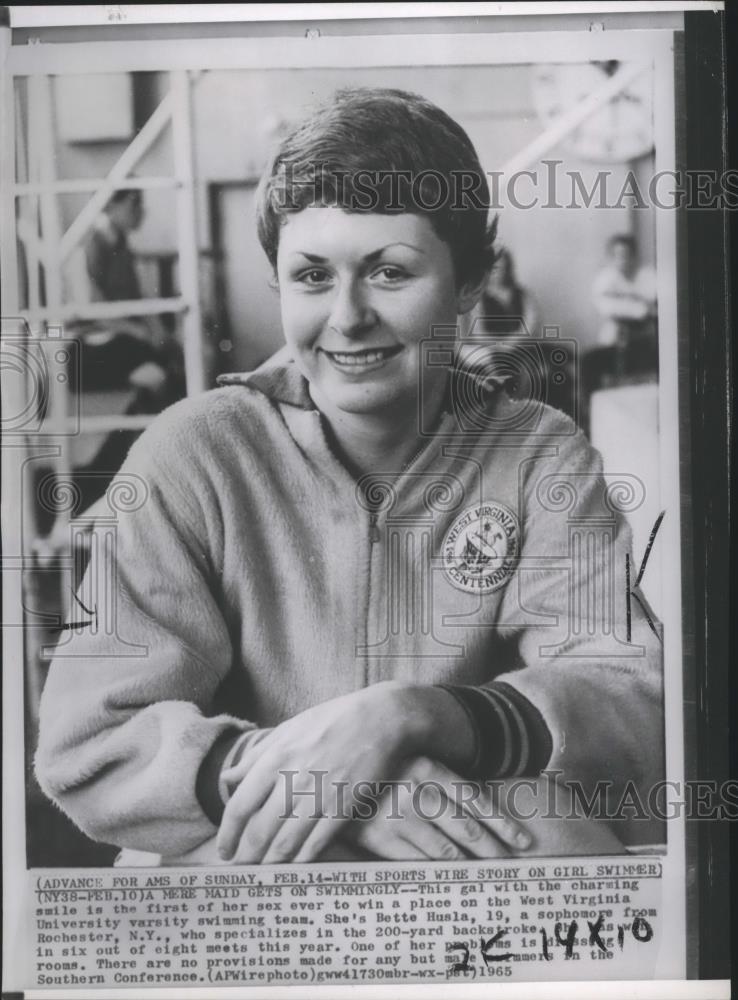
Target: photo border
703, 363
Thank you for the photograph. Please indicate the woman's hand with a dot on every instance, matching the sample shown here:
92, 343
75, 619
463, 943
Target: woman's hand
298, 786
432, 813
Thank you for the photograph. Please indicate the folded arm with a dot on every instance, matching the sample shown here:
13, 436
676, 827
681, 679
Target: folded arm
126, 716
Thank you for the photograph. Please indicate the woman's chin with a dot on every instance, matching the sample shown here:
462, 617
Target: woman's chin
371, 404
371, 398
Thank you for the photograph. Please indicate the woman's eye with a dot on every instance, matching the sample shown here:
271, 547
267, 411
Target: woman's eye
390, 273
315, 276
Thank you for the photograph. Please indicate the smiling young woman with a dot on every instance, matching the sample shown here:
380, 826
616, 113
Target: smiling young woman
359, 294
335, 573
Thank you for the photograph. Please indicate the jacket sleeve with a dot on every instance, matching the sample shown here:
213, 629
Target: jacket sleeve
127, 714
585, 658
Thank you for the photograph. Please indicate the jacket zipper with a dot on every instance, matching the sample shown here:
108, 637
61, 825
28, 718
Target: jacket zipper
374, 537
426, 444
374, 533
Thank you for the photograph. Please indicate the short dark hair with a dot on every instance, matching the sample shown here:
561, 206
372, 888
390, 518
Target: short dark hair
625, 239
123, 194
358, 152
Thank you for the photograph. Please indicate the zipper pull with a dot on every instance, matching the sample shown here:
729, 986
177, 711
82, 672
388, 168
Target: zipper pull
374, 535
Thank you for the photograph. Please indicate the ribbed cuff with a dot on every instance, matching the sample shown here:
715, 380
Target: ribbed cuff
207, 785
512, 738
234, 756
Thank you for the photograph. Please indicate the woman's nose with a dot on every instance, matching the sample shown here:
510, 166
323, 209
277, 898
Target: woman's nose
351, 313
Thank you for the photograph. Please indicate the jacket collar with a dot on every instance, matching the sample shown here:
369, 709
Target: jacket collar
278, 379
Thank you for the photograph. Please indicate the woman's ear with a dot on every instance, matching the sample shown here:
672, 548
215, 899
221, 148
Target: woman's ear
470, 293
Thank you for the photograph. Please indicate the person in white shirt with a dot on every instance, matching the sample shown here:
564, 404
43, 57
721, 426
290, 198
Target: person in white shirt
625, 295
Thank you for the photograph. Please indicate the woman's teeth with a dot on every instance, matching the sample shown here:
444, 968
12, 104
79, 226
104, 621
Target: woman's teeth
358, 359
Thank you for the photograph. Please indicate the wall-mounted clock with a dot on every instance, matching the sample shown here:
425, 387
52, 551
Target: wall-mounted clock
619, 131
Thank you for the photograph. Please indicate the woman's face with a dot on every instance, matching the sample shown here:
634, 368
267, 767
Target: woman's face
358, 293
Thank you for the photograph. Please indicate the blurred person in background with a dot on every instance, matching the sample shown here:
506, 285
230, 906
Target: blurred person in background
505, 302
508, 312
131, 365
624, 294
136, 350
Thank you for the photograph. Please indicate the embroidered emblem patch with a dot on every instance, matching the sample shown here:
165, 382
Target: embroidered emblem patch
481, 548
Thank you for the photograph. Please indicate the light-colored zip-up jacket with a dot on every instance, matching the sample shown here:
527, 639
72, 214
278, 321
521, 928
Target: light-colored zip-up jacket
252, 576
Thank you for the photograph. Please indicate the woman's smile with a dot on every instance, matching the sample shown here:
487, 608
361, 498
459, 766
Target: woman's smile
361, 362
